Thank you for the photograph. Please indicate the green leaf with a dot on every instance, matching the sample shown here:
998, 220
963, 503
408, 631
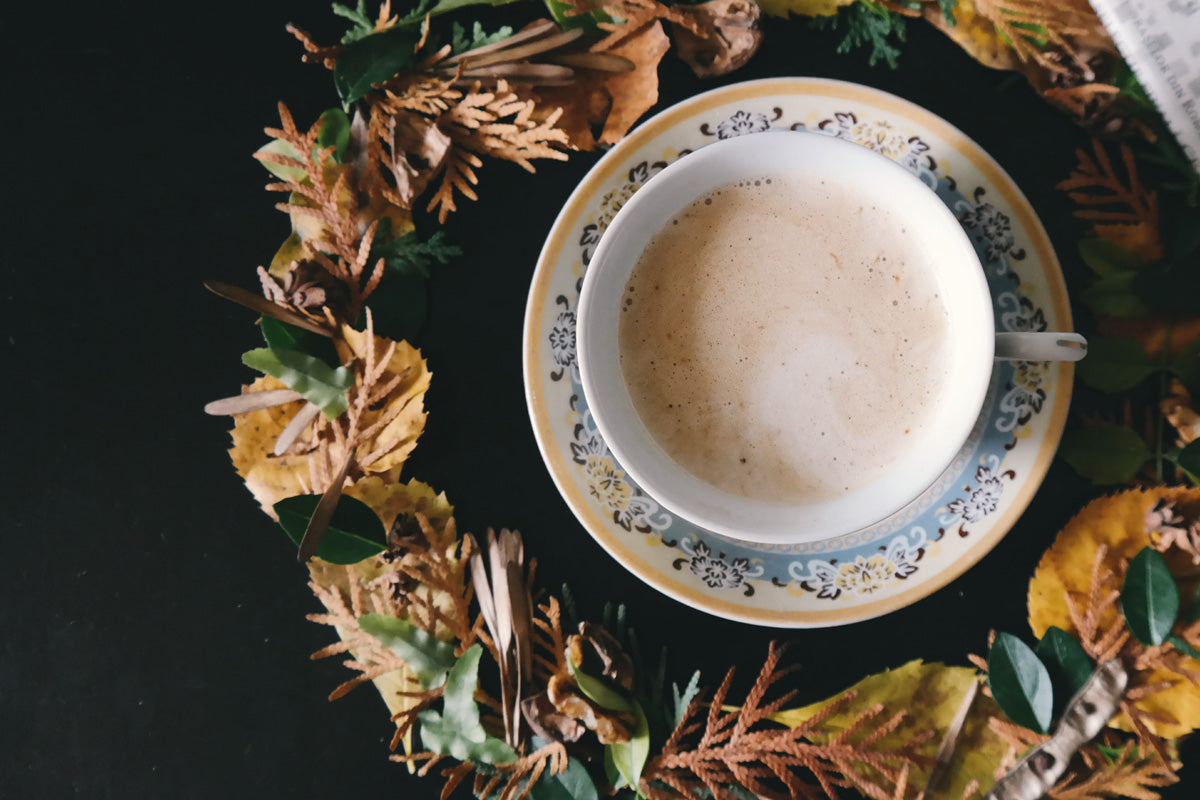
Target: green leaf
335, 133
1104, 453
573, 783
1149, 598
628, 758
947, 7
457, 731
1188, 460
460, 42
1182, 646
1065, 660
1020, 683
315, 381
429, 657
1107, 258
354, 533
281, 336
408, 255
1186, 366
600, 692
364, 25
1114, 296
682, 701
867, 24
373, 59
435, 8
1115, 364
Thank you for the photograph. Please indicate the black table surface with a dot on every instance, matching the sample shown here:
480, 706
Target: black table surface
154, 642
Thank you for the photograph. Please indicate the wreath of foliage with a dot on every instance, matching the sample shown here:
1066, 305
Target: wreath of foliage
1095, 708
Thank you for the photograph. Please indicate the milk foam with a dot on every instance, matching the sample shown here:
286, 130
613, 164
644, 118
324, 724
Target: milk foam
782, 340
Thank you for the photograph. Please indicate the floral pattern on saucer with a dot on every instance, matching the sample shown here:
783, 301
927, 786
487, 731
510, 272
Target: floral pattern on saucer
855, 576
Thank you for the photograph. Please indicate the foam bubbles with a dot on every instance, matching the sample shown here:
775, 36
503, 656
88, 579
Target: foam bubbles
781, 344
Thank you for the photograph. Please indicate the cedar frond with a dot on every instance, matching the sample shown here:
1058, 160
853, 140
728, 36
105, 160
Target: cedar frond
458, 176
327, 194
1131, 774
1100, 641
806, 762
438, 561
313, 52
1095, 183
549, 643
368, 656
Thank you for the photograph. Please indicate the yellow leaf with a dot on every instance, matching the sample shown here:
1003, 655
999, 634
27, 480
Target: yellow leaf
389, 498
931, 695
806, 8
268, 478
1118, 522
973, 33
405, 403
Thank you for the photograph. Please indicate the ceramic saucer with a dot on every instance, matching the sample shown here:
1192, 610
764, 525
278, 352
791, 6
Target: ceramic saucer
917, 550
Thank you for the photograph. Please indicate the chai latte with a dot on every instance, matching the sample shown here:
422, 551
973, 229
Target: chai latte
783, 339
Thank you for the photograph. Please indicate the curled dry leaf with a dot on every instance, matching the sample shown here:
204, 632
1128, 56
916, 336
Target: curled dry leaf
634, 93
596, 646
617, 100
610, 726
1115, 529
728, 37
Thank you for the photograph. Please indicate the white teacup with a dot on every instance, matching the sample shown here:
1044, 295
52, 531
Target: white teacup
969, 343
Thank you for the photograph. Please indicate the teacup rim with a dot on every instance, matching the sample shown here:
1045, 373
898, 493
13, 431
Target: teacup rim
746, 525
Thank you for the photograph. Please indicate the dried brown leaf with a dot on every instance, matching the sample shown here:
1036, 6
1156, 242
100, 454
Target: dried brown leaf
726, 36
634, 93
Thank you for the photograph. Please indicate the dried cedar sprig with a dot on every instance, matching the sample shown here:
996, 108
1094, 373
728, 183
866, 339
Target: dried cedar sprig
436, 564
369, 657
745, 748
1100, 641
1094, 183
343, 245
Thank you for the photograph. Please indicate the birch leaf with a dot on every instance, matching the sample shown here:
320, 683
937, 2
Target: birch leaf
931, 694
404, 405
268, 478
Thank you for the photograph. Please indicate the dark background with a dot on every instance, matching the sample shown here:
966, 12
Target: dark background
154, 641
